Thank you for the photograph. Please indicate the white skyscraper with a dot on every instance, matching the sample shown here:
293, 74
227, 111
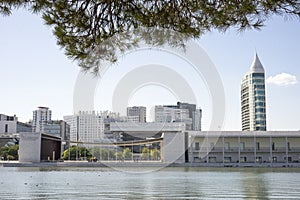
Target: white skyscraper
40, 117
253, 98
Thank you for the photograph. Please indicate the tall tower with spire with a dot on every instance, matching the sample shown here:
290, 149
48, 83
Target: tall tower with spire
253, 98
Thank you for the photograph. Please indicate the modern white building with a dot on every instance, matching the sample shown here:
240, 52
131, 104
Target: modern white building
253, 98
136, 112
40, 117
85, 126
10, 124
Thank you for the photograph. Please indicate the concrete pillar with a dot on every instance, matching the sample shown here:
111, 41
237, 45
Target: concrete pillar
271, 151
286, 150
239, 152
223, 150
254, 148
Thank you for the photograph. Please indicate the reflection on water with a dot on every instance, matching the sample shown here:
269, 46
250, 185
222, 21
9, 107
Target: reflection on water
169, 183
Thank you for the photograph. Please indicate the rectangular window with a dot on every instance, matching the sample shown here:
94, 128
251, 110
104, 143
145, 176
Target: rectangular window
258, 159
257, 146
212, 145
273, 146
227, 146
227, 159
289, 159
6, 128
288, 146
243, 159
197, 146
212, 159
242, 146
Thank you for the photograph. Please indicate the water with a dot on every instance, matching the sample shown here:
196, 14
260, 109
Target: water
168, 183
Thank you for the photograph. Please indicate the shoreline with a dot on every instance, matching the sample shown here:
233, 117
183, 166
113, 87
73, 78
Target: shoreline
147, 164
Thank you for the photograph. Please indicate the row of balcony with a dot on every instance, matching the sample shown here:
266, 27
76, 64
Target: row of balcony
236, 149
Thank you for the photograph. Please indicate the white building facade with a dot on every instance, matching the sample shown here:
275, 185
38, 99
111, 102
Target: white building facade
10, 124
85, 126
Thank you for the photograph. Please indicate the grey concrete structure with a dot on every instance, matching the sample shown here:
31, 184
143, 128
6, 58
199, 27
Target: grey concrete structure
36, 147
237, 148
173, 145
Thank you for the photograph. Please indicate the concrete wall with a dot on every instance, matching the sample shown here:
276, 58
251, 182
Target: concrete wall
30, 147
11, 126
174, 147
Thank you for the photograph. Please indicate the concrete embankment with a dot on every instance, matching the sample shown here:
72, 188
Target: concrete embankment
142, 164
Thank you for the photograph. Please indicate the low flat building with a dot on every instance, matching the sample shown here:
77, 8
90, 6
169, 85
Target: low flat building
35, 147
173, 138
237, 148
10, 124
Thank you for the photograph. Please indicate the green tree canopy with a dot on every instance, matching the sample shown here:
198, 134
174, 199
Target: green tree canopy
127, 154
102, 28
76, 152
10, 152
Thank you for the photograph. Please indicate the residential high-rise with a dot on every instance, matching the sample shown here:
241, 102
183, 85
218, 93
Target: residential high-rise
253, 98
138, 112
40, 117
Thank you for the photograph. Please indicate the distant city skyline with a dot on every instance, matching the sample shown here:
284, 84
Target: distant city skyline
35, 72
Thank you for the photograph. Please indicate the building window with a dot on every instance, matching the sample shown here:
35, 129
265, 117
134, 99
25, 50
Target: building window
257, 146
196, 159
212, 159
273, 146
197, 146
242, 146
227, 159
227, 146
6, 128
289, 158
258, 159
243, 159
288, 146
212, 145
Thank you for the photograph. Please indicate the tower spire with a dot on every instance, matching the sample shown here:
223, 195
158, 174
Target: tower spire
256, 66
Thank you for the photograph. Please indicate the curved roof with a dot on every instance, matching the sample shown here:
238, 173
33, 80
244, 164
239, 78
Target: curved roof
256, 66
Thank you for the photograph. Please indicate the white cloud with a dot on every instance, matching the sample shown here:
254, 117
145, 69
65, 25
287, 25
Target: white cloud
282, 79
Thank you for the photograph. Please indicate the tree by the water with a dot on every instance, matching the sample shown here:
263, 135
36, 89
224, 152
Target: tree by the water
119, 25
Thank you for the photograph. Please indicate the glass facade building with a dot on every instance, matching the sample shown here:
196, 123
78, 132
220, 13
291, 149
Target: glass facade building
253, 98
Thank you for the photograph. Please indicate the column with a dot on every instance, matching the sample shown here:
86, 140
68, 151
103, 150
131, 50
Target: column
239, 146
223, 151
254, 149
286, 150
271, 153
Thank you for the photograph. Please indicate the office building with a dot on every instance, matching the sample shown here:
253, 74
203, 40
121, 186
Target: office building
136, 113
182, 112
58, 128
253, 98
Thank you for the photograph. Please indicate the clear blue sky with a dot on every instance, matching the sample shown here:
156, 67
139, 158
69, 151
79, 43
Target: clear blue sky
35, 72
